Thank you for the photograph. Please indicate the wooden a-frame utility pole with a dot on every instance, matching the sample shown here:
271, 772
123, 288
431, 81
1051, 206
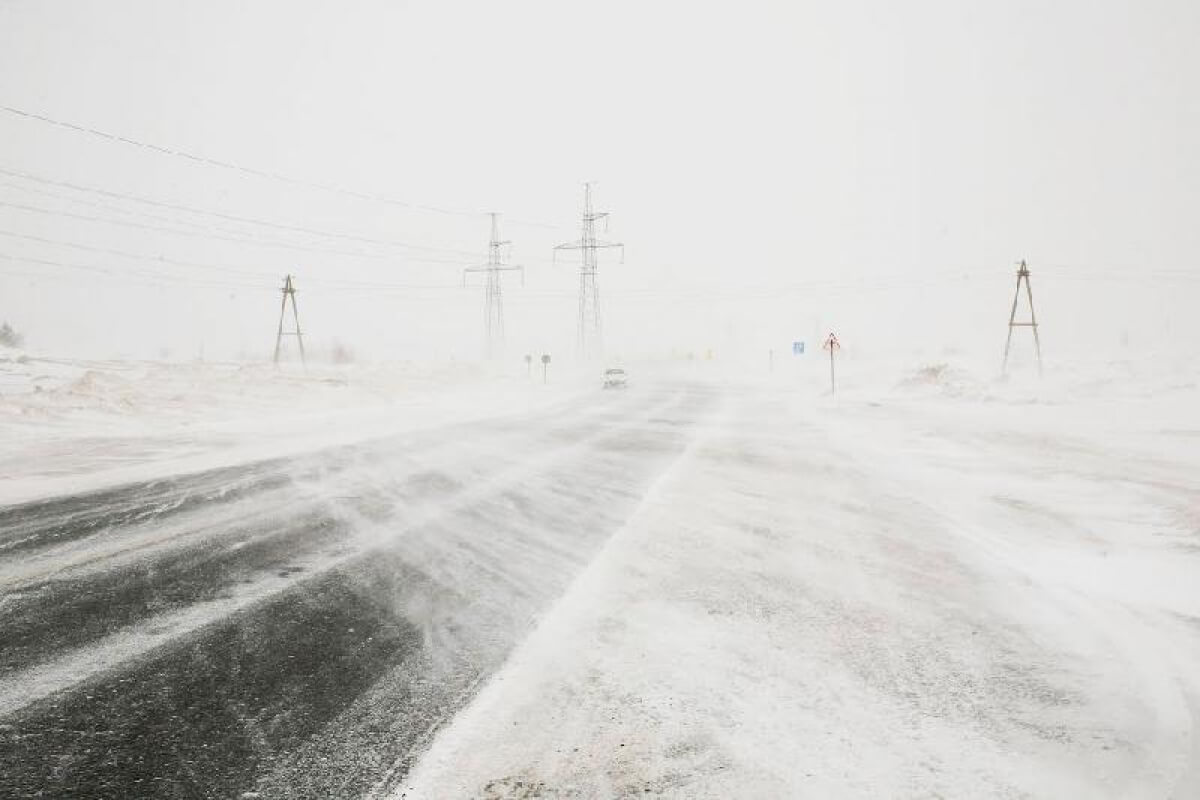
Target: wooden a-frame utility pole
1022, 275
289, 293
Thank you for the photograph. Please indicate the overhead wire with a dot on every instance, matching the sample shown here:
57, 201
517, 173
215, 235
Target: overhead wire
233, 217
159, 259
234, 237
337, 285
109, 207
1116, 274
223, 237
122, 280
197, 158
152, 276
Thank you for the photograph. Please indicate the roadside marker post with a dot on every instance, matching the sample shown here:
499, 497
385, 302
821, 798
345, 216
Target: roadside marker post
545, 364
528, 365
832, 345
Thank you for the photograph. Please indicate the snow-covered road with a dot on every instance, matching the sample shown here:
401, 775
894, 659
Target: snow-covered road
917, 598
690, 588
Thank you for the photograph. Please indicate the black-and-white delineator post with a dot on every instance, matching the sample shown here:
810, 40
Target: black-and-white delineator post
289, 293
1022, 275
590, 330
493, 308
832, 345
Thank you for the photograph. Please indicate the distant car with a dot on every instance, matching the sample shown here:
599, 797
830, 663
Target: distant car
615, 379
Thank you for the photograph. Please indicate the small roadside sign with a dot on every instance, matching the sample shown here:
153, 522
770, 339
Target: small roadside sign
832, 345
797, 348
545, 364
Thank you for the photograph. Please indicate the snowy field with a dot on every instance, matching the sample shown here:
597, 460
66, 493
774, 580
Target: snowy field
712, 584
74, 425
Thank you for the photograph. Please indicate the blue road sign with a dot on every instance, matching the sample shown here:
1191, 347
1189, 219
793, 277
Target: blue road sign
797, 348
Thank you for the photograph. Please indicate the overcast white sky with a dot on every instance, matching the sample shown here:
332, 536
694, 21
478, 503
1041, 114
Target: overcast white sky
774, 168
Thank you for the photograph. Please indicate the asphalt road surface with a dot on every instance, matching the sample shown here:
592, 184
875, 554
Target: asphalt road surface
302, 627
692, 590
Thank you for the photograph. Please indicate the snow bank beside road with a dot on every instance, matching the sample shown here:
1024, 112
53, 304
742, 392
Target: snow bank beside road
74, 425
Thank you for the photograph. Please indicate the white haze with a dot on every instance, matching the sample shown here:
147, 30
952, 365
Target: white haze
720, 580
776, 169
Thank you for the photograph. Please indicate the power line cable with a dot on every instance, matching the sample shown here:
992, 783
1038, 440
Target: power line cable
197, 228
259, 173
122, 280
231, 217
214, 162
339, 285
125, 274
103, 206
220, 237
137, 256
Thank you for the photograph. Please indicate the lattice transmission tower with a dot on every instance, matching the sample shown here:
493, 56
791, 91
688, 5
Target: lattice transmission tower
590, 326
493, 308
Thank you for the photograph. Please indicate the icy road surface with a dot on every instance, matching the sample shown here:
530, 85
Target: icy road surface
298, 628
697, 590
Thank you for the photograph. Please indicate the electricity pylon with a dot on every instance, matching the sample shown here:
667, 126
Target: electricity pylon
493, 309
289, 293
590, 329
1022, 275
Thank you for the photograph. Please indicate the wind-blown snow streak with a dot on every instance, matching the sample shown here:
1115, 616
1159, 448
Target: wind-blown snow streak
859, 600
417, 561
